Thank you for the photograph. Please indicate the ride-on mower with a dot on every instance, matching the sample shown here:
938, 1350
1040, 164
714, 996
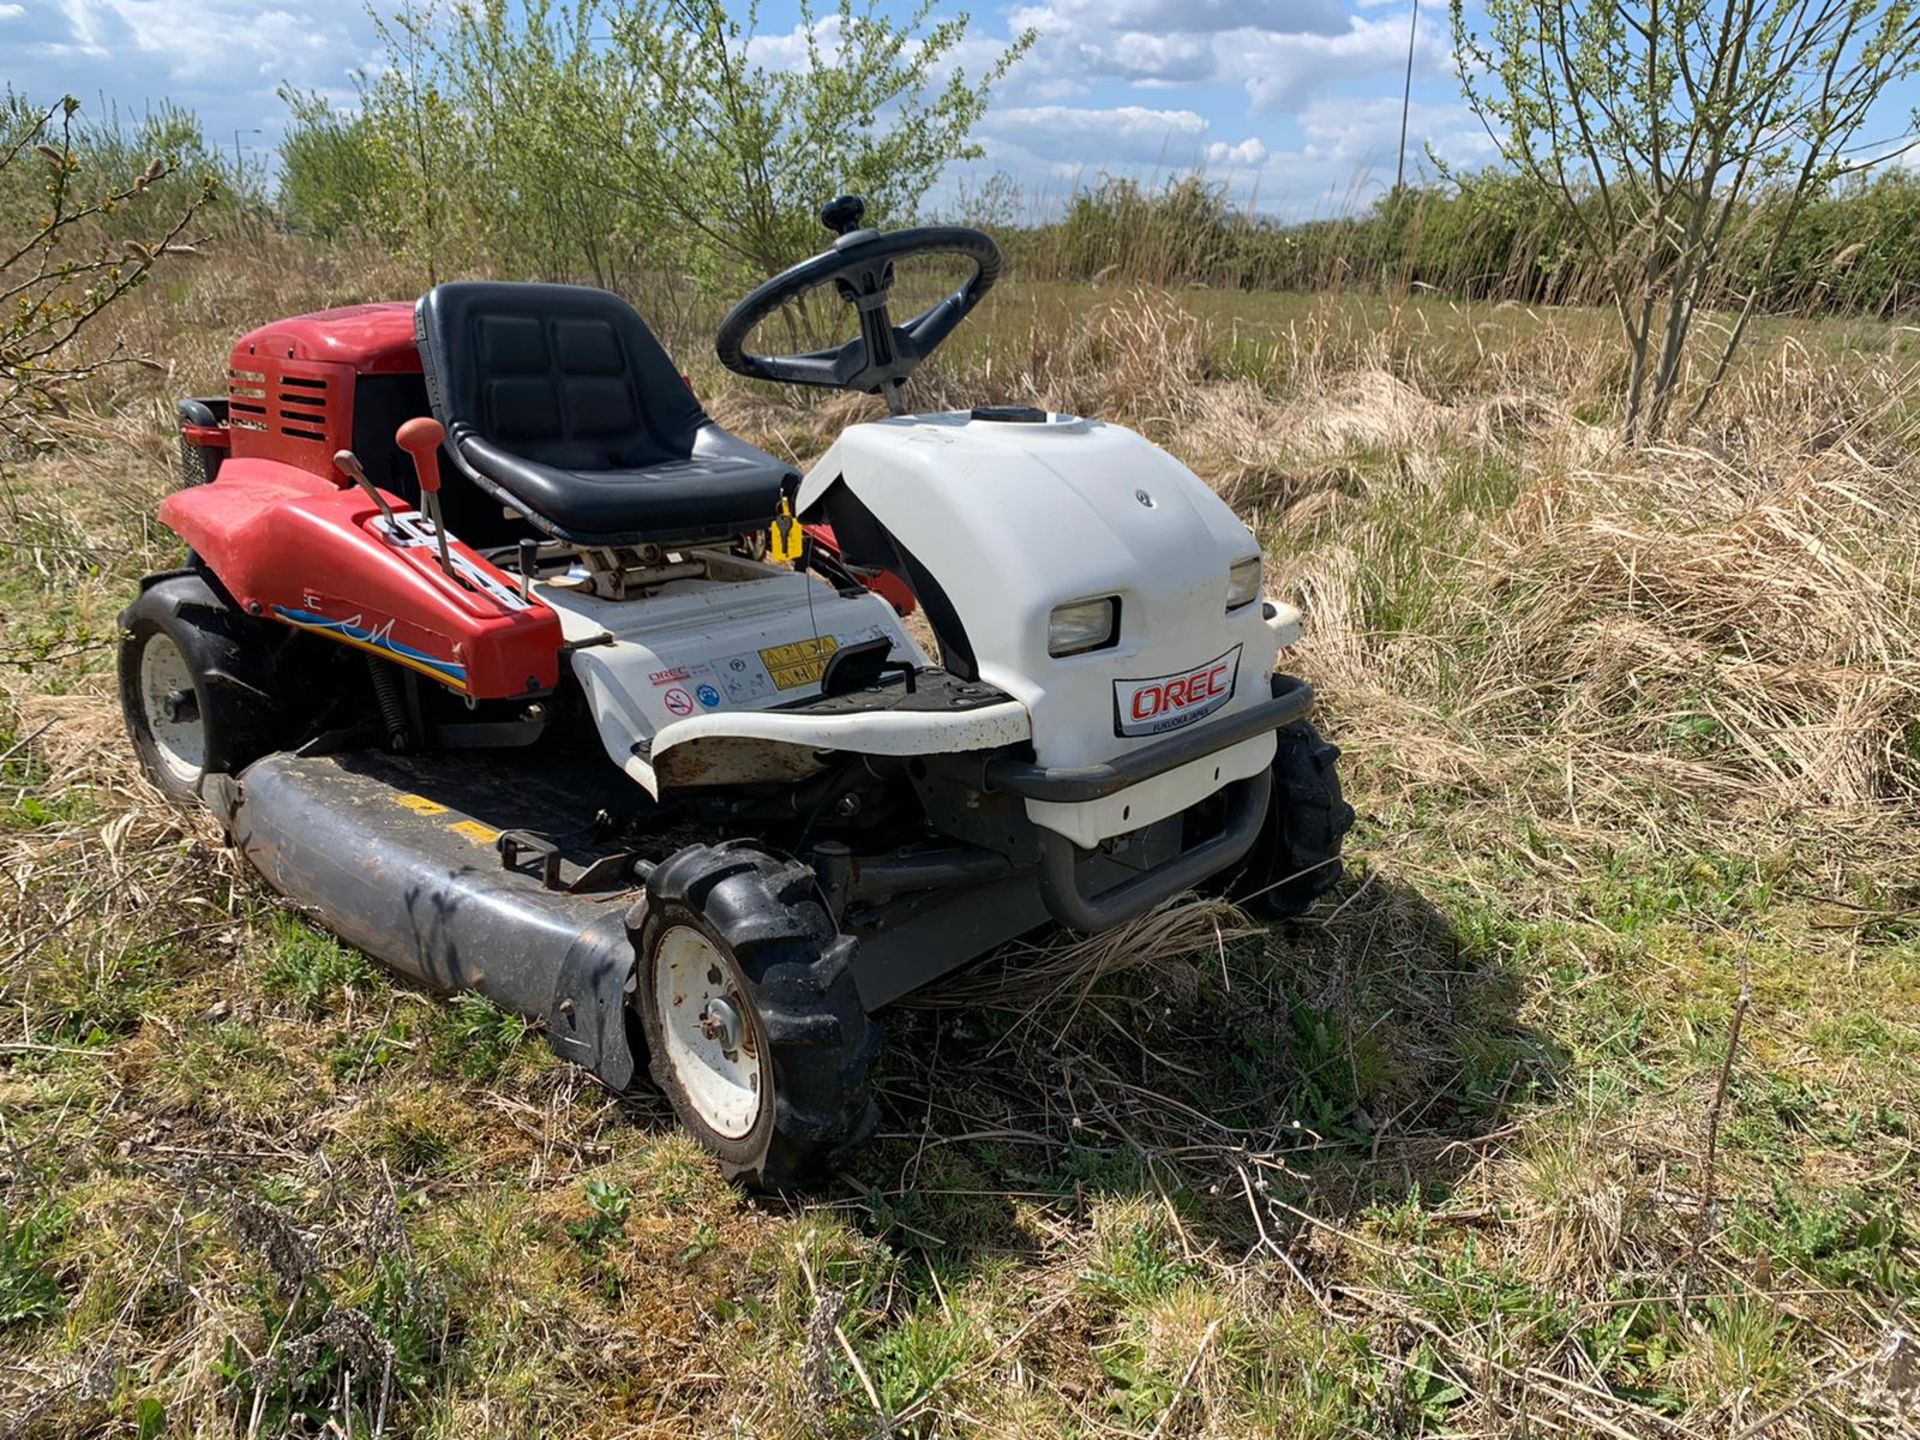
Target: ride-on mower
494, 652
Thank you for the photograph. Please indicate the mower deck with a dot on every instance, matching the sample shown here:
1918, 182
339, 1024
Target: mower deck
514, 874
401, 856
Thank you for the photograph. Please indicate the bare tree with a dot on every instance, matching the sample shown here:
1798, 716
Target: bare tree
73, 241
1672, 133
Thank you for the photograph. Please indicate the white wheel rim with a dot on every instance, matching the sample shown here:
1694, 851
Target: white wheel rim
722, 1084
182, 743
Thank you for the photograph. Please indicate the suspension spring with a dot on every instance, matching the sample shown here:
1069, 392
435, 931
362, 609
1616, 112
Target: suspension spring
393, 709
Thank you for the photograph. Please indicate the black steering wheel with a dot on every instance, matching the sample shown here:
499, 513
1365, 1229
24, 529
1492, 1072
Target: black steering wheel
860, 266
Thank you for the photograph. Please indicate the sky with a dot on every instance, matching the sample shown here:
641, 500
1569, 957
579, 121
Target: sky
1293, 104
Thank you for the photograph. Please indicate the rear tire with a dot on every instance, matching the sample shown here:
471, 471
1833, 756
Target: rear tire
1296, 858
753, 1023
193, 686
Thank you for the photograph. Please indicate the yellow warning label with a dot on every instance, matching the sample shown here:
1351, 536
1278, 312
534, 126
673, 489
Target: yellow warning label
801, 663
419, 805
475, 831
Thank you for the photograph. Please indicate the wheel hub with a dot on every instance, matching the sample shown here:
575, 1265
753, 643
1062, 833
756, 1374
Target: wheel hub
721, 1022
707, 1032
172, 709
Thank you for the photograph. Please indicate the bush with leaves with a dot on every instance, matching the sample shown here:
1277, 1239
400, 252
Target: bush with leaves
330, 172
632, 144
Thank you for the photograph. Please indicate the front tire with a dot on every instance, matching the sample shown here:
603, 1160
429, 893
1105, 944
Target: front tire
193, 688
1296, 858
753, 1023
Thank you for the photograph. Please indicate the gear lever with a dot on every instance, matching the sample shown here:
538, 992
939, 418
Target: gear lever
421, 437
348, 464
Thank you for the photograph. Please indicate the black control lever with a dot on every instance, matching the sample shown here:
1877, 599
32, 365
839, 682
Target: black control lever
856, 667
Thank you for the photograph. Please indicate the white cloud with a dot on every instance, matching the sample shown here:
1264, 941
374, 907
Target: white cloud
1348, 131
183, 41
1343, 162
222, 58
1249, 152
1148, 42
1178, 59
1073, 137
789, 51
1282, 73
1201, 17
974, 56
1367, 132
1348, 152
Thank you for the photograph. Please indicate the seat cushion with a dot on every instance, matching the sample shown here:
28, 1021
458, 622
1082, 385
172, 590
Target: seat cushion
700, 495
559, 402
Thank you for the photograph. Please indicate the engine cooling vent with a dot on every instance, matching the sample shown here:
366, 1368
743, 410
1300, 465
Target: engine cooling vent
293, 409
246, 400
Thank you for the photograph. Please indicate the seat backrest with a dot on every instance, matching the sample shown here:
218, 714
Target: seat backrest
563, 375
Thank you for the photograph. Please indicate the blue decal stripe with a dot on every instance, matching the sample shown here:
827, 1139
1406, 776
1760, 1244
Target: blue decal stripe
369, 640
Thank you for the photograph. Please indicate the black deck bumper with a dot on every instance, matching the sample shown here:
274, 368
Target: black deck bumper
388, 852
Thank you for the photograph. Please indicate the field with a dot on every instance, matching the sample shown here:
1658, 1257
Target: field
1586, 1106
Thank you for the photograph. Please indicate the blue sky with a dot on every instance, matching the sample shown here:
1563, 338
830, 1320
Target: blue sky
1294, 103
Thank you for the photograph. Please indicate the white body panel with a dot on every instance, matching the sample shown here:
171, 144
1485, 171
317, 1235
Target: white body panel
712, 650
1011, 520
685, 751
1014, 519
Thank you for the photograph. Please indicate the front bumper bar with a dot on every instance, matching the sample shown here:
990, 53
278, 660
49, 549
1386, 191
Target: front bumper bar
1059, 873
1246, 810
1074, 784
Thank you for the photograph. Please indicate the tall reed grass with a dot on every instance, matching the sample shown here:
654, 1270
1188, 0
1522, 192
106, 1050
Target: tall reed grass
1490, 235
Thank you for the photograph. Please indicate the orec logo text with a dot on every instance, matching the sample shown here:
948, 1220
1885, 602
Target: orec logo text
1166, 702
1182, 691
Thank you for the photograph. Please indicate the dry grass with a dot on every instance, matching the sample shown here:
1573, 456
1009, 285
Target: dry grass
1618, 725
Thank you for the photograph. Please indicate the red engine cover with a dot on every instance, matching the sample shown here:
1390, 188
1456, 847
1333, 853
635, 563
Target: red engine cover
292, 546
290, 384
374, 339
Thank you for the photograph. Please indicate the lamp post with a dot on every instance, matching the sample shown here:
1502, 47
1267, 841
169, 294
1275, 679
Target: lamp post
1406, 99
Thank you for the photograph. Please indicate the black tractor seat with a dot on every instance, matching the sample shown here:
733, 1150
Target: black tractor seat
559, 402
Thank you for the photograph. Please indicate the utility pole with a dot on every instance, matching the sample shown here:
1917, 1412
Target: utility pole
239, 171
1406, 100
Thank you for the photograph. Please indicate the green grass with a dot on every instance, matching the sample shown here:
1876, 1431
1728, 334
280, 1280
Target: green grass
309, 969
27, 801
29, 1292
473, 1038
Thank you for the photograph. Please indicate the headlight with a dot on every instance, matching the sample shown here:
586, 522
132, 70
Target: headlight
1083, 625
1243, 582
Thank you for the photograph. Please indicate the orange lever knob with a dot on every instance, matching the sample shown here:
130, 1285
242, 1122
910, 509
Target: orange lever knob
421, 437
